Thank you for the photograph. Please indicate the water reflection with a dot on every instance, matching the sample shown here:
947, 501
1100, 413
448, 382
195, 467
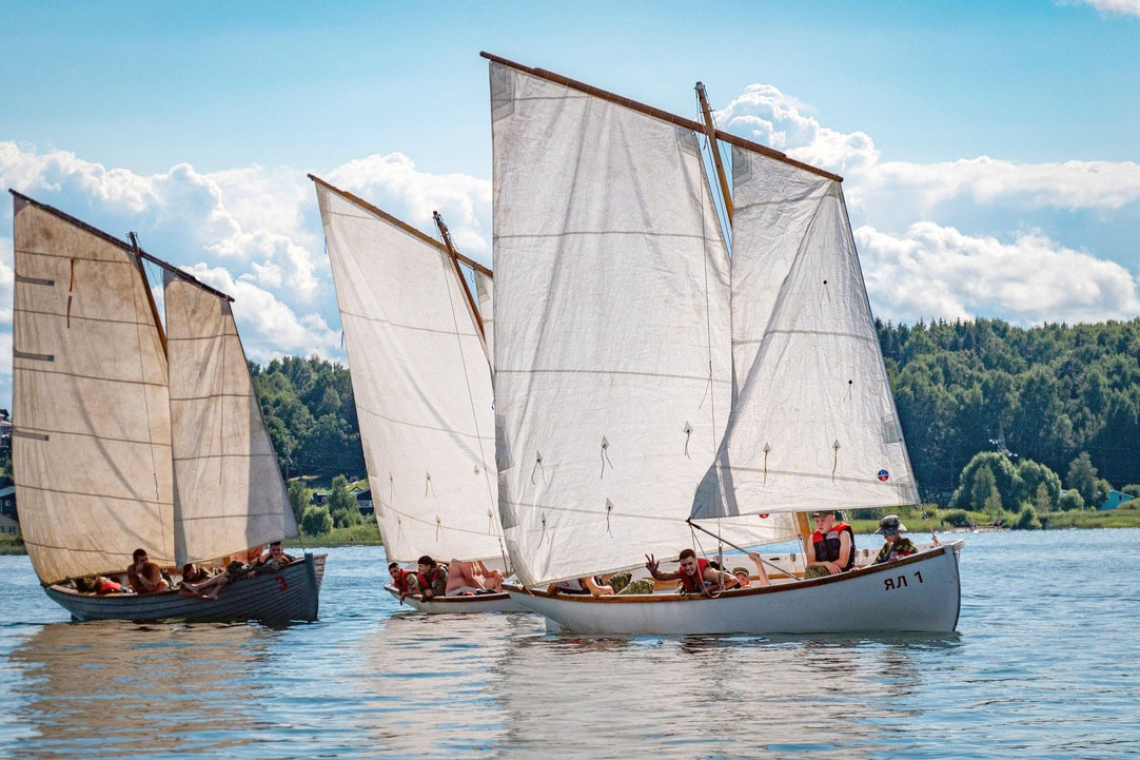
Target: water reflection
115, 689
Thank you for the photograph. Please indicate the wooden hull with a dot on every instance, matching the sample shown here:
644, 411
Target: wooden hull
290, 595
451, 605
921, 593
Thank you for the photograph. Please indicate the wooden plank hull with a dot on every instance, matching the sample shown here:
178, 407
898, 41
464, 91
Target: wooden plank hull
451, 605
290, 595
921, 593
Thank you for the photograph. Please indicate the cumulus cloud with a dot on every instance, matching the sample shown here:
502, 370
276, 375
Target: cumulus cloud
1131, 7
936, 271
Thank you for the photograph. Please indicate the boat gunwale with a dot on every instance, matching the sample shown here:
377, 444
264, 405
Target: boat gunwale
498, 596
922, 556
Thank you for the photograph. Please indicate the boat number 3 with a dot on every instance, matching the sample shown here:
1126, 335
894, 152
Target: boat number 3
282, 583
890, 584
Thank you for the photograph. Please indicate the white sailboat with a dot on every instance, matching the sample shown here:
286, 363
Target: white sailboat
129, 437
644, 379
422, 384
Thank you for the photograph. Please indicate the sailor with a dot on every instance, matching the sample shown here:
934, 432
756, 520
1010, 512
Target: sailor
697, 576
588, 585
431, 577
143, 576
404, 580
896, 547
832, 547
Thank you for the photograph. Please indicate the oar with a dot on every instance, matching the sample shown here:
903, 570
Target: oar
734, 546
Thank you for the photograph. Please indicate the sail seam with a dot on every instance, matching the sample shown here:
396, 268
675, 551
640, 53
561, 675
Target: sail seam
87, 377
821, 476
700, 378
86, 319
26, 252
409, 327
854, 336
222, 516
449, 431
210, 395
94, 435
639, 233
203, 337
221, 456
97, 495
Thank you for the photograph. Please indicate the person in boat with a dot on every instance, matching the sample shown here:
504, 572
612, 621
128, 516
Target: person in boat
624, 584
465, 578
741, 573
194, 574
273, 561
591, 585
896, 546
832, 547
697, 576
404, 580
98, 584
143, 576
431, 578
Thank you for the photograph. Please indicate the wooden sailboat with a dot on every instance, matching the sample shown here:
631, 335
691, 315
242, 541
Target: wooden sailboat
417, 348
657, 380
128, 436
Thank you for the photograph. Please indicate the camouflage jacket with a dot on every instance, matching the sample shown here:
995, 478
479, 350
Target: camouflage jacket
899, 549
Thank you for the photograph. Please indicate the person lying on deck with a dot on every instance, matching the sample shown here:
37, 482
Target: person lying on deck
145, 577
193, 574
697, 576
588, 585
431, 577
97, 584
235, 571
465, 578
404, 580
832, 547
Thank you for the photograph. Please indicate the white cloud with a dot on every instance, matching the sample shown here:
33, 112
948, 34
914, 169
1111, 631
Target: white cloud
393, 184
935, 271
1131, 7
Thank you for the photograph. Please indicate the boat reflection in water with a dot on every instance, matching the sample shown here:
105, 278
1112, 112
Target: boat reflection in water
117, 689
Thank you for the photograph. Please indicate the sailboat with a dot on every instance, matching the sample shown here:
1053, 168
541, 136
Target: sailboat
650, 390
421, 377
130, 436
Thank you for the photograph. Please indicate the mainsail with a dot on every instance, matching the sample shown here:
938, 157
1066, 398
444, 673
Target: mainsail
421, 381
612, 346
229, 494
813, 423
485, 288
91, 446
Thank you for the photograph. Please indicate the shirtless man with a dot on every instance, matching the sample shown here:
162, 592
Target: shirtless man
144, 577
471, 578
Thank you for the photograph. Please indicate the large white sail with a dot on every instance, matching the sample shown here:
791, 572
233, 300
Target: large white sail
91, 445
814, 422
485, 289
612, 357
229, 494
422, 385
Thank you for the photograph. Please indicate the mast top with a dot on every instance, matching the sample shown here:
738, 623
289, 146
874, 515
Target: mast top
658, 113
131, 249
401, 224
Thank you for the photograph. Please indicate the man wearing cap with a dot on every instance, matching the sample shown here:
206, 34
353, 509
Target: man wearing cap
832, 547
896, 546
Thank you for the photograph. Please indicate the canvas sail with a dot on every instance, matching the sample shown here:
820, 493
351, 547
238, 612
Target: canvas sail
612, 356
91, 443
814, 422
229, 494
485, 290
422, 385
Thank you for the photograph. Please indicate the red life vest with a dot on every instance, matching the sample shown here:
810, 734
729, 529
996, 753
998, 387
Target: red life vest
401, 579
827, 548
424, 580
109, 587
697, 583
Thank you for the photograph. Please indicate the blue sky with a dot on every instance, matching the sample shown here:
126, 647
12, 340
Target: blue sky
990, 148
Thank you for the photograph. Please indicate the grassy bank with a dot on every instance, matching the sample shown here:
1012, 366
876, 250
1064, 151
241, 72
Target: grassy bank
10, 544
1117, 518
366, 534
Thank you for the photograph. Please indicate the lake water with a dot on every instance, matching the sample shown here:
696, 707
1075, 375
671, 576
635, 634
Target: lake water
1044, 665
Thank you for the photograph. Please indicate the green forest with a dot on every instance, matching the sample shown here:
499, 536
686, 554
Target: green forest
1039, 405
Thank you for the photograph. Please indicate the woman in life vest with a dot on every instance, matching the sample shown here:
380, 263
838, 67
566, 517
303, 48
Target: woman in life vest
404, 580
696, 575
431, 577
832, 547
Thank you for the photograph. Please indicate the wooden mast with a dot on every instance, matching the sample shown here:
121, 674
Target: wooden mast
710, 133
446, 235
149, 296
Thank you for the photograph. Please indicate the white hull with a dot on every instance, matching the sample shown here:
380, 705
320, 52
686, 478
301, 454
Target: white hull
921, 593
290, 595
450, 605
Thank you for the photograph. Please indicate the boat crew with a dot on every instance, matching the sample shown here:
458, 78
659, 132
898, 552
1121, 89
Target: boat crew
696, 575
832, 547
896, 547
431, 577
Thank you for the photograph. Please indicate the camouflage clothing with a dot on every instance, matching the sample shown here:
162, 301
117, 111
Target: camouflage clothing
816, 571
623, 584
896, 550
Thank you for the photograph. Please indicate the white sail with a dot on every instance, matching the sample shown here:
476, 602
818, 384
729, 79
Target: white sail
229, 494
612, 358
485, 289
814, 422
91, 445
421, 382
